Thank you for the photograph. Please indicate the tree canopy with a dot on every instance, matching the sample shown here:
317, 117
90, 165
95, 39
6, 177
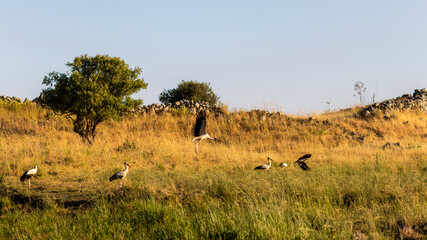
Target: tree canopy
190, 90
94, 90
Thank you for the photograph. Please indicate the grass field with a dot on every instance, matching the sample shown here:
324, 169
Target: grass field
356, 189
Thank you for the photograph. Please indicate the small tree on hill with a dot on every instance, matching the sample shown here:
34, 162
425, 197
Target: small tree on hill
191, 90
96, 89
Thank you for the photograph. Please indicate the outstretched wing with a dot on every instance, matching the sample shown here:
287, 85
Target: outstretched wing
200, 127
304, 166
303, 158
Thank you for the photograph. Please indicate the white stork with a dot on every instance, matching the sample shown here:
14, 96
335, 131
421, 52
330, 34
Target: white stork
28, 174
265, 166
301, 162
121, 175
199, 129
283, 165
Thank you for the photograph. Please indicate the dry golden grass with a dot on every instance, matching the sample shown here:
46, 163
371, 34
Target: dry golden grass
164, 163
34, 136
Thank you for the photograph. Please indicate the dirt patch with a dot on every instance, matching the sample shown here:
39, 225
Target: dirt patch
75, 202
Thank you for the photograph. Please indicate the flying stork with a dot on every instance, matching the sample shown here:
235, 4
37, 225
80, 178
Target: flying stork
121, 175
28, 174
301, 162
265, 166
199, 129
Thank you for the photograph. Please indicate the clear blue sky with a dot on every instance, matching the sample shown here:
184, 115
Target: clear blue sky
291, 55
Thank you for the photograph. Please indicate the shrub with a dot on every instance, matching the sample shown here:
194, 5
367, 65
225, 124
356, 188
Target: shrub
190, 90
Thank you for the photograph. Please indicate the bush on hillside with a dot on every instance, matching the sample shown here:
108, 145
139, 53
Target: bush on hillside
190, 90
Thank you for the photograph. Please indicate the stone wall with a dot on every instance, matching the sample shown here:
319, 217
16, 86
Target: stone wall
416, 101
13, 99
191, 106
9, 99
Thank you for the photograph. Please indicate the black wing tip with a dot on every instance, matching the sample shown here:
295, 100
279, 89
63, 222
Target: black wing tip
304, 166
308, 155
201, 114
23, 177
112, 178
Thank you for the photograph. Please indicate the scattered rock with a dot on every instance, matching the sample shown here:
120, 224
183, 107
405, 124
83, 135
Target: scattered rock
416, 101
10, 99
192, 107
389, 145
389, 117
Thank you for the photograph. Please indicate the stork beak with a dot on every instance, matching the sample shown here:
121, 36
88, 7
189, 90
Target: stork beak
128, 164
219, 140
270, 159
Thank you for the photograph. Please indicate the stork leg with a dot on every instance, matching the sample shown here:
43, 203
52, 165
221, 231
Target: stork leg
197, 146
29, 183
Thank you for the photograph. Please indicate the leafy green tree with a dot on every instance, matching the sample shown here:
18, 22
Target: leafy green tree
190, 90
94, 90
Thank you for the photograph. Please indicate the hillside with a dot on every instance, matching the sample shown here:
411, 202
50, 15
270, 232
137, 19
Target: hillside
358, 187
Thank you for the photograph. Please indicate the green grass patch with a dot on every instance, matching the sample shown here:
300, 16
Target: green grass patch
329, 202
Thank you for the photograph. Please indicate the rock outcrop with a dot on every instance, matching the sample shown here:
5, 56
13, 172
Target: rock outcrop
416, 101
11, 99
187, 106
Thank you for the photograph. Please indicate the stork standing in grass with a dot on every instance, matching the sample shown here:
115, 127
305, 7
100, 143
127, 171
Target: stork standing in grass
265, 166
283, 165
301, 162
199, 129
121, 175
28, 174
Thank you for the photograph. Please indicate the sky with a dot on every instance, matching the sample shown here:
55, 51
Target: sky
299, 57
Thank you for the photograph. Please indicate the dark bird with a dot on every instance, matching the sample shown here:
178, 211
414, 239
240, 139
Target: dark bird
28, 174
265, 166
121, 175
301, 162
199, 129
